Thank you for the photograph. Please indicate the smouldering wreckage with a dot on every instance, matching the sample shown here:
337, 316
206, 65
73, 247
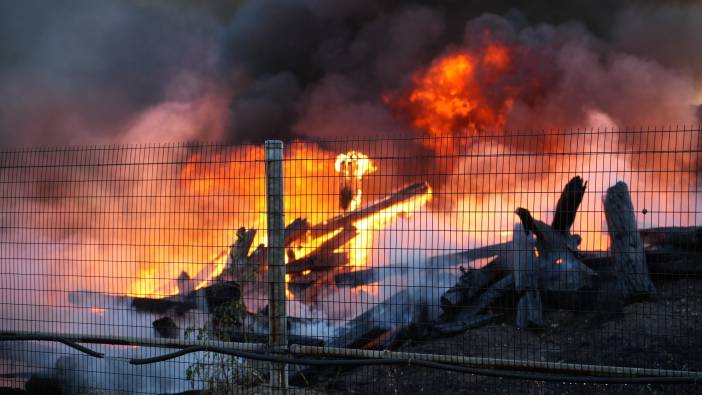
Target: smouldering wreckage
541, 268
329, 268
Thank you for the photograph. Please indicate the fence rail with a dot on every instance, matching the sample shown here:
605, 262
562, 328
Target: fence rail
515, 261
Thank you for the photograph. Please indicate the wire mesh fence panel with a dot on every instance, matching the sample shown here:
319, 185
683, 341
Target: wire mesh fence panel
129, 242
520, 262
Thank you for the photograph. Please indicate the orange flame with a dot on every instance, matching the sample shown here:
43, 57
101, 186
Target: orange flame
353, 165
212, 183
459, 93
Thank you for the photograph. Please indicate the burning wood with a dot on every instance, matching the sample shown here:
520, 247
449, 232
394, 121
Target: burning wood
215, 294
309, 275
320, 267
560, 268
542, 267
317, 262
296, 230
348, 219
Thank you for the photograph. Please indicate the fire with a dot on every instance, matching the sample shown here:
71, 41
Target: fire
461, 93
359, 246
150, 284
211, 183
352, 165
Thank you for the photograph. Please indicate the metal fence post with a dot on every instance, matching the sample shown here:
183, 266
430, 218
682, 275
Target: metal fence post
277, 338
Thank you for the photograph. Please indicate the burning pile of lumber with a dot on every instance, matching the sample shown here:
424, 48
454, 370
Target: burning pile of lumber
311, 267
542, 267
321, 264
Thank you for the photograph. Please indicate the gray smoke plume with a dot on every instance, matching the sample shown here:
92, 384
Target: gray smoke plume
77, 71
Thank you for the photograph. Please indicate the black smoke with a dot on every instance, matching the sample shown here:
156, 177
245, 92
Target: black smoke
81, 71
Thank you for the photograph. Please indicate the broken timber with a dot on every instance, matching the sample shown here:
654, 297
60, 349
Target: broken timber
627, 248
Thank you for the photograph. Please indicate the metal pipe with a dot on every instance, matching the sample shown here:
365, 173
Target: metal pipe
492, 363
481, 362
276, 263
132, 341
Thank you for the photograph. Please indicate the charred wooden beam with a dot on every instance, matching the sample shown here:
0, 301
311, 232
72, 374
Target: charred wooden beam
455, 327
674, 263
337, 241
296, 230
627, 248
561, 270
400, 308
568, 204
216, 294
673, 238
466, 256
347, 219
317, 262
526, 280
473, 278
472, 282
477, 307
358, 277
318, 282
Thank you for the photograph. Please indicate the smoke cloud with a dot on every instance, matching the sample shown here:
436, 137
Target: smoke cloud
83, 72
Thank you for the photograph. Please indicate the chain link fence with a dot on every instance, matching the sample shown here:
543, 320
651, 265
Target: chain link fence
520, 262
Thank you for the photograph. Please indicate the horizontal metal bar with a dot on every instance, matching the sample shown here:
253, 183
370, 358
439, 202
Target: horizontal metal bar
323, 351
497, 363
139, 341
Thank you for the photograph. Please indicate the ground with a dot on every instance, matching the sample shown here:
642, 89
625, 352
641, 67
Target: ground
663, 332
